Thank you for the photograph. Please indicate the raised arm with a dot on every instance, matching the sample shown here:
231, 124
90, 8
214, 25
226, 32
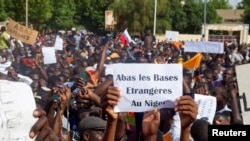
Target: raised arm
109, 100
100, 66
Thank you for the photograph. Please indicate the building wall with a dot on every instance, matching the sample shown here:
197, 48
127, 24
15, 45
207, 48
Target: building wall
189, 37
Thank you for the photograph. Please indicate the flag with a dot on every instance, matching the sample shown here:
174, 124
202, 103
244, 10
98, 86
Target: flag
194, 62
125, 37
128, 38
177, 44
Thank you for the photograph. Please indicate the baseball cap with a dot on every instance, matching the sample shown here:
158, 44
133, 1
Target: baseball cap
91, 123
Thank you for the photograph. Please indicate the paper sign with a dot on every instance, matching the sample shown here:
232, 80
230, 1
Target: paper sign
21, 32
204, 47
58, 43
49, 55
244, 90
172, 35
16, 111
206, 107
145, 87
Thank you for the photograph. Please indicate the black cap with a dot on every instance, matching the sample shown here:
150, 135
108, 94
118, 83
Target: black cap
92, 123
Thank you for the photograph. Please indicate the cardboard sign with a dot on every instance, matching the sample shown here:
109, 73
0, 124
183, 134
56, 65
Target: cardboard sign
244, 91
145, 87
21, 32
204, 47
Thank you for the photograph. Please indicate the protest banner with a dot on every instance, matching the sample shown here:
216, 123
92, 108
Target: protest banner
145, 87
206, 107
172, 35
20, 32
204, 47
16, 113
49, 55
244, 90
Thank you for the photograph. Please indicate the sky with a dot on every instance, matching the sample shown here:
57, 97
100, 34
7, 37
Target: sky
234, 2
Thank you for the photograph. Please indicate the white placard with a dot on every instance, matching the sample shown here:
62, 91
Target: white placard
206, 107
49, 55
16, 111
244, 90
204, 47
58, 43
172, 35
145, 87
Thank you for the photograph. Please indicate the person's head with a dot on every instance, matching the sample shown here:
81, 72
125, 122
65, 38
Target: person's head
221, 119
53, 83
202, 67
199, 130
83, 103
216, 73
82, 113
3, 28
35, 76
221, 95
34, 86
91, 128
208, 73
228, 75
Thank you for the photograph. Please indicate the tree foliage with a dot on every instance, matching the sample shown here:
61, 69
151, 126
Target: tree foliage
136, 15
62, 15
246, 7
220, 4
91, 13
3, 14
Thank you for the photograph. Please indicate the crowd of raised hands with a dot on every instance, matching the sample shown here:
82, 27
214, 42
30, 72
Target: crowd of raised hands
71, 92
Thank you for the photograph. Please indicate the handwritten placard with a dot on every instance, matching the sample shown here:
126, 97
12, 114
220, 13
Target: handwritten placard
20, 32
16, 113
145, 87
206, 107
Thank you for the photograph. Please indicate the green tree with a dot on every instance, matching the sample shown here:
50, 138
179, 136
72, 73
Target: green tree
91, 14
62, 15
138, 16
39, 11
3, 14
179, 20
246, 7
220, 4
15, 10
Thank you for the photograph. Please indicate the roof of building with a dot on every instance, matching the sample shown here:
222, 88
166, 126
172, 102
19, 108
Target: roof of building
230, 14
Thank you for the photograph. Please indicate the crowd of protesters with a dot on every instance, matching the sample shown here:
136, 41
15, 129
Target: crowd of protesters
75, 96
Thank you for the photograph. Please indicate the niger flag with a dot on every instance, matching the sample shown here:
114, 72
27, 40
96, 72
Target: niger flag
194, 62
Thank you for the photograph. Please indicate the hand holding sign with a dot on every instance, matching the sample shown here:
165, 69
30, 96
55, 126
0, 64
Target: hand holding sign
111, 99
187, 109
